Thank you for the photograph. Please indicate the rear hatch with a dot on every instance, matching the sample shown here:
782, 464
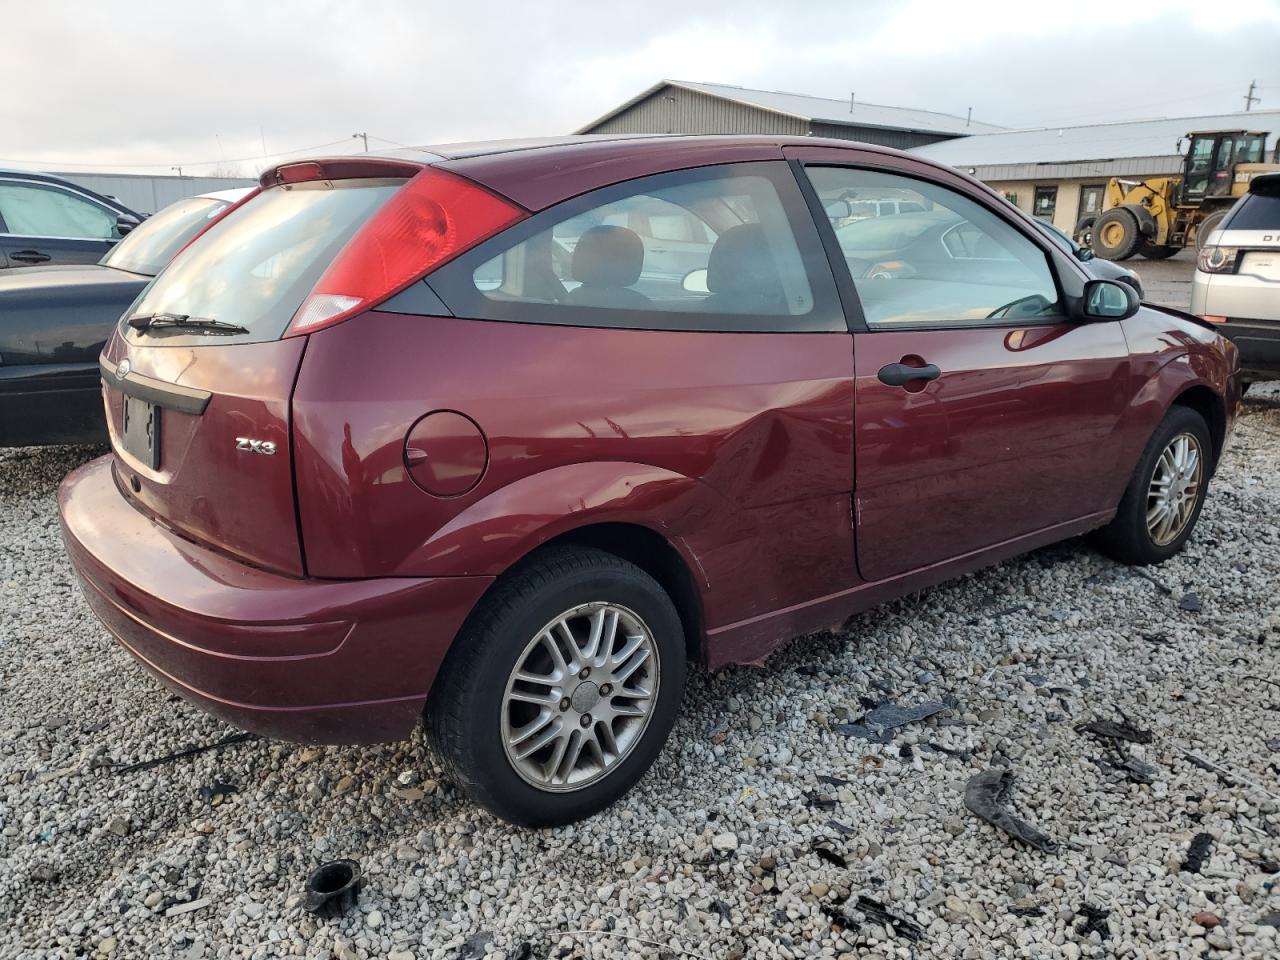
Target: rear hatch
197, 379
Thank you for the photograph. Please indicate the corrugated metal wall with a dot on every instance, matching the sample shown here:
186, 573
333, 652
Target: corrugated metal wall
675, 110
1126, 167
902, 139
147, 194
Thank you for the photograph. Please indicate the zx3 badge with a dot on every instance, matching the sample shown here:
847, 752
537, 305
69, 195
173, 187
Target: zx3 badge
256, 446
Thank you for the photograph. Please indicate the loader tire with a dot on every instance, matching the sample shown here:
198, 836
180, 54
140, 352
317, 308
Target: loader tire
1116, 235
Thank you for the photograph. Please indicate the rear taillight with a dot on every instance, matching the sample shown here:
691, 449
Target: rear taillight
1217, 259
430, 220
222, 215
1212, 318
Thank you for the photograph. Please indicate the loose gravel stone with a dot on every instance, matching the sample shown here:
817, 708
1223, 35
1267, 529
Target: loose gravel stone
710, 855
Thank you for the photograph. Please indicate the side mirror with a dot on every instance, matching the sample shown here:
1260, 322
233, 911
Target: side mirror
695, 281
1109, 300
838, 210
125, 223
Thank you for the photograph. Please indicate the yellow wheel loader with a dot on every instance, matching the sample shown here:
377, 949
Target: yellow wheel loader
1159, 216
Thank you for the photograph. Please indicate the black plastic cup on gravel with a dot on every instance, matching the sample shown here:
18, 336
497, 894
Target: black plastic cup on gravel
332, 888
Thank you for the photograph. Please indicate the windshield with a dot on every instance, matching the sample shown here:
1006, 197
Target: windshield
152, 244
255, 268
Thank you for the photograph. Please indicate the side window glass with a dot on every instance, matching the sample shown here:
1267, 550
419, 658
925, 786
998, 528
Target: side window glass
942, 260
706, 244
38, 211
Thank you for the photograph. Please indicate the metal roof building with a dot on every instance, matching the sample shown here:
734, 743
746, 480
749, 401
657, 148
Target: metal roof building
1127, 148
678, 106
1060, 173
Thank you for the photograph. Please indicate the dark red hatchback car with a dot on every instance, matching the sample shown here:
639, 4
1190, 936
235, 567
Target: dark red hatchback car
509, 434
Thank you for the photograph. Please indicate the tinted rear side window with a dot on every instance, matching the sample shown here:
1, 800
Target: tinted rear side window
256, 267
1255, 211
152, 244
718, 248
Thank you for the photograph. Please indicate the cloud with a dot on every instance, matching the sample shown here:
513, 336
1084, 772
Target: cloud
207, 85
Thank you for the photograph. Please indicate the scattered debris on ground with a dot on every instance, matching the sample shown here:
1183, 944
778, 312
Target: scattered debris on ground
985, 796
879, 723
332, 888
1095, 921
1114, 730
1198, 852
226, 741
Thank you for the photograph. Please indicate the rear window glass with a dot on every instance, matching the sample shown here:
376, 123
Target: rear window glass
152, 244
255, 268
1255, 212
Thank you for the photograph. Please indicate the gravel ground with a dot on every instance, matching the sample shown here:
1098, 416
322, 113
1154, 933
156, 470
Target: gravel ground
716, 853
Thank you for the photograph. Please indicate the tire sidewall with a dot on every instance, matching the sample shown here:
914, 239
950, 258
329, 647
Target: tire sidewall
493, 781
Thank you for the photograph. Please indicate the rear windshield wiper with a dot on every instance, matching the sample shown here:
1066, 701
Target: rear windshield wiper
173, 321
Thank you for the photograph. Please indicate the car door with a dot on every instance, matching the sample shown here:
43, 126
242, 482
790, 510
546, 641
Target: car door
45, 224
981, 413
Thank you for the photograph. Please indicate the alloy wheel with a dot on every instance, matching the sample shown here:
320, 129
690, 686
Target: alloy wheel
580, 696
1174, 489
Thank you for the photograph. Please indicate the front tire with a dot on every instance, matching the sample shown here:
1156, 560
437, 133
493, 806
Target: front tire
1162, 503
560, 691
1116, 234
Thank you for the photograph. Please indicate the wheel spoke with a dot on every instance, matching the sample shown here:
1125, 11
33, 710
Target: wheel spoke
552, 769
623, 673
535, 735
548, 643
604, 733
537, 699
571, 647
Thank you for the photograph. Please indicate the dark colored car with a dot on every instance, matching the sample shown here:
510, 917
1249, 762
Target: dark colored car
381, 447
55, 320
45, 219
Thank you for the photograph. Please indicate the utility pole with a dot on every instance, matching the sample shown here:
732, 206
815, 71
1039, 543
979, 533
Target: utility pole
364, 137
1249, 98
179, 169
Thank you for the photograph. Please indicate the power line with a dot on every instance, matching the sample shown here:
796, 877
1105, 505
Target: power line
184, 163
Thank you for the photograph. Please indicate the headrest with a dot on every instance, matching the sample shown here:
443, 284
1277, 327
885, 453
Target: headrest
608, 256
740, 261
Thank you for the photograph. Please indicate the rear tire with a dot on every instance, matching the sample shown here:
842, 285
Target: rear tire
1155, 251
1116, 235
485, 721
1083, 233
1207, 226
1139, 533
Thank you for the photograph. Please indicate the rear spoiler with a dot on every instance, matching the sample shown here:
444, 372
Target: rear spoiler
338, 168
1265, 185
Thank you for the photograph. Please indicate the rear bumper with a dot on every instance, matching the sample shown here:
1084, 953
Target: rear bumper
330, 661
1259, 344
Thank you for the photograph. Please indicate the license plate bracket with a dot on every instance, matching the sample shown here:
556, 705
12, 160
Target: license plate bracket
141, 431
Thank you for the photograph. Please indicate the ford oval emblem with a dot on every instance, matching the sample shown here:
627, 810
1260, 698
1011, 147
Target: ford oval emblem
123, 368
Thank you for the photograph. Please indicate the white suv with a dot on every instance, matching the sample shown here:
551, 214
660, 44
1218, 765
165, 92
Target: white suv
1237, 281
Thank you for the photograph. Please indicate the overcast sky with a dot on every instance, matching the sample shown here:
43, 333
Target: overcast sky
215, 86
